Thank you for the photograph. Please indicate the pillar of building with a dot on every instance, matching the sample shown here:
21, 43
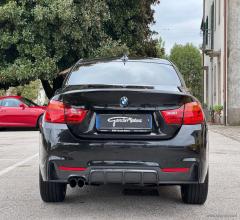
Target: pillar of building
233, 75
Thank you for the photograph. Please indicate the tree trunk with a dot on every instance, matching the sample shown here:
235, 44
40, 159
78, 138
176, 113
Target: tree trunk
47, 88
57, 83
50, 90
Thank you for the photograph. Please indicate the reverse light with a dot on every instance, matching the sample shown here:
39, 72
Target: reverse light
189, 114
57, 112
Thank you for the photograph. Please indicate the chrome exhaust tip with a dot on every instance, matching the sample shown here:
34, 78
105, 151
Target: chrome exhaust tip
72, 182
81, 182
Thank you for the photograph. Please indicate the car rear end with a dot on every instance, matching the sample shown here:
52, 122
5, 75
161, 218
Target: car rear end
119, 133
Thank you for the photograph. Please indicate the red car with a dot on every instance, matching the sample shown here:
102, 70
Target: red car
16, 111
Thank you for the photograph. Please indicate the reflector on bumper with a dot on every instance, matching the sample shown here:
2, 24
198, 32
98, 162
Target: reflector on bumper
175, 170
63, 168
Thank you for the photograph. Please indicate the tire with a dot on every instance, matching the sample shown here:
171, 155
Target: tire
195, 193
39, 122
52, 192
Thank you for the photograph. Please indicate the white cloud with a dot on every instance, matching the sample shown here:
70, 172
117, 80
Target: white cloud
178, 21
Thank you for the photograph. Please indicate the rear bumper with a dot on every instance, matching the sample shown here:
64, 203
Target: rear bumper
127, 175
124, 162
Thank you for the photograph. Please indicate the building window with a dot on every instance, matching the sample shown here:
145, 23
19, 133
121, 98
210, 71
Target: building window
206, 32
212, 26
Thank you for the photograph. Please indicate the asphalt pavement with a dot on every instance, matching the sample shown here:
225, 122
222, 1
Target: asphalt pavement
20, 199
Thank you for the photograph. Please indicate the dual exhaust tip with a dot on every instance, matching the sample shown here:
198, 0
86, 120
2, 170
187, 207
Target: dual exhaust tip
74, 181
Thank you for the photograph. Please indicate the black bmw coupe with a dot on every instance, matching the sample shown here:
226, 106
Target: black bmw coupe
124, 121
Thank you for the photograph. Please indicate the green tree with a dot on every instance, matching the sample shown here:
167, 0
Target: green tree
129, 22
189, 61
160, 47
39, 38
111, 49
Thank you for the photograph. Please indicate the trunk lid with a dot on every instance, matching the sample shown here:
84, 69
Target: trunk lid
139, 119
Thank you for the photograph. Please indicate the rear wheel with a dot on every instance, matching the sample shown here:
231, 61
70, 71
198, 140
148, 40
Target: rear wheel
195, 193
52, 192
39, 121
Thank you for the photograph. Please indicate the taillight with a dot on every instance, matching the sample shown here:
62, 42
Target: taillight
189, 114
57, 112
74, 115
193, 114
173, 116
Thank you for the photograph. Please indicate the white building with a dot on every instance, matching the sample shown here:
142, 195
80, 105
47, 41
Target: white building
221, 57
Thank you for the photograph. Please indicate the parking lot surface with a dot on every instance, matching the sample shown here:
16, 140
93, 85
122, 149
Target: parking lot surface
20, 199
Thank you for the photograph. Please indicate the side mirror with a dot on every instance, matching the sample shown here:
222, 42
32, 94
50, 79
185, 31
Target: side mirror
22, 106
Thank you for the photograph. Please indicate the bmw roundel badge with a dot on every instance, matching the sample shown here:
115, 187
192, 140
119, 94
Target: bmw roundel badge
124, 101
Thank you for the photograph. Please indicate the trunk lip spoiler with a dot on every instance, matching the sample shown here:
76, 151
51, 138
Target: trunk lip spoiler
113, 87
180, 93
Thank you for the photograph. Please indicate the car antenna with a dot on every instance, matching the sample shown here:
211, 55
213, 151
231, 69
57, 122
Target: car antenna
124, 58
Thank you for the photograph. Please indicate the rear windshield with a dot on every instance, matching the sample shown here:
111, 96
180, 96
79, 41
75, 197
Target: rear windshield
130, 73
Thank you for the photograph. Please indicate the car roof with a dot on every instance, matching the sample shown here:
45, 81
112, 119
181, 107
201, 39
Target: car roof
151, 60
129, 59
11, 96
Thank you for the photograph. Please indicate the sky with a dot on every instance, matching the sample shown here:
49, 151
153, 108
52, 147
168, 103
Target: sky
179, 21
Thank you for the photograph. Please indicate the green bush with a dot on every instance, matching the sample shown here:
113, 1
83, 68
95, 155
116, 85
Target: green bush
217, 112
29, 91
218, 109
2, 92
